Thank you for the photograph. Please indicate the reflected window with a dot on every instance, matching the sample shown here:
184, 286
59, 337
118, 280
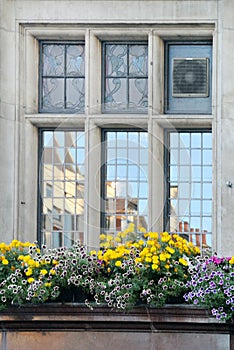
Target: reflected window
62, 187
125, 180
125, 77
189, 174
62, 77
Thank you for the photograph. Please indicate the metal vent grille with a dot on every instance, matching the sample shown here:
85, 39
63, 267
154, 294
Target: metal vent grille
190, 77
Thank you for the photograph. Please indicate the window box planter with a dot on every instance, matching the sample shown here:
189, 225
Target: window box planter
74, 326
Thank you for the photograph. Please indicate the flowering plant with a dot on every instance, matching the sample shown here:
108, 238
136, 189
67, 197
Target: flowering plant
127, 270
150, 270
25, 275
212, 285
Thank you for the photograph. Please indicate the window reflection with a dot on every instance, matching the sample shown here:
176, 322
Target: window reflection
62, 187
190, 183
126, 182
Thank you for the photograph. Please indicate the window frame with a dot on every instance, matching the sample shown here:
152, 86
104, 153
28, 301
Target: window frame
40, 177
166, 214
103, 170
65, 43
103, 76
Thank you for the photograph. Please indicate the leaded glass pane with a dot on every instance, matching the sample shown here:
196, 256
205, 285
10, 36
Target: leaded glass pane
53, 60
116, 60
138, 93
62, 187
125, 80
75, 60
138, 60
53, 93
75, 94
116, 94
190, 185
62, 78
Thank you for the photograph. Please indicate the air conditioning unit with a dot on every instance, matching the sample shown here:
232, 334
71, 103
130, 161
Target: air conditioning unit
190, 77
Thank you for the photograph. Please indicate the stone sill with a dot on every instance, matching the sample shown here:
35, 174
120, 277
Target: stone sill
74, 316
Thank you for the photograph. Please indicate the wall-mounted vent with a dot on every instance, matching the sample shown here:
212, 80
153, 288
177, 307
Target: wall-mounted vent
190, 77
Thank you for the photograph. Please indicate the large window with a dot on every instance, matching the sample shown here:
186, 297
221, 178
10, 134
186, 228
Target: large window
125, 180
114, 86
125, 77
62, 78
189, 185
62, 187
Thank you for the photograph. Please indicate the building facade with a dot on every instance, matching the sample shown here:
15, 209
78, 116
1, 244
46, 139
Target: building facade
116, 113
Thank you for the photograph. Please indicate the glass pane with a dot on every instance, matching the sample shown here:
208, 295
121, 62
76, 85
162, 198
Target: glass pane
75, 60
196, 140
174, 157
121, 172
133, 189
196, 190
195, 157
144, 156
174, 140
184, 140
207, 190
111, 172
47, 155
110, 205
133, 155
207, 173
48, 139
116, 60
53, 93
80, 156
116, 93
133, 172
75, 94
143, 190
53, 60
138, 60
207, 140
207, 157
184, 190
138, 93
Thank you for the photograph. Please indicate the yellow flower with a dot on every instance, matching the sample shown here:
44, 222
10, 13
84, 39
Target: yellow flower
43, 272
231, 261
154, 266
142, 229
5, 262
148, 259
162, 257
93, 252
47, 284
28, 271
165, 237
117, 239
30, 280
52, 272
170, 250
102, 237
183, 261
118, 263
